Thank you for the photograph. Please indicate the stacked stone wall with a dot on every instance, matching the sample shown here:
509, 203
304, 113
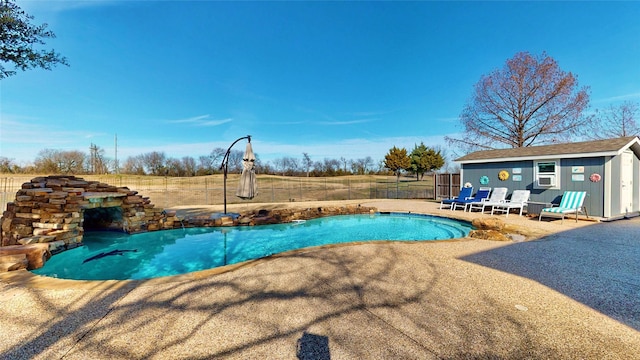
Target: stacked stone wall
51, 210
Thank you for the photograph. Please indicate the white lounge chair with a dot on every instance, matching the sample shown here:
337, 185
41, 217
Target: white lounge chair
518, 200
497, 197
571, 203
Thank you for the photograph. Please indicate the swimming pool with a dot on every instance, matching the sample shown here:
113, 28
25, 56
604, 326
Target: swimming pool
119, 256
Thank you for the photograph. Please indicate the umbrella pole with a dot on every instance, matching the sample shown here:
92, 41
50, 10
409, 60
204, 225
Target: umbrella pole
225, 166
224, 189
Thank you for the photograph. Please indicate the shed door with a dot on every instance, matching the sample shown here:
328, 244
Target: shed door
626, 182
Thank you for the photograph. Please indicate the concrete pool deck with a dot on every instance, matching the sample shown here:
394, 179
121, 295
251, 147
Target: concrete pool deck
573, 293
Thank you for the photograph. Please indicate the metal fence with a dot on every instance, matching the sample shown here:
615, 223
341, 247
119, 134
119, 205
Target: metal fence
170, 191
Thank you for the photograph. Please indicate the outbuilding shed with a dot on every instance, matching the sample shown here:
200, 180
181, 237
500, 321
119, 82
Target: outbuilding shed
608, 170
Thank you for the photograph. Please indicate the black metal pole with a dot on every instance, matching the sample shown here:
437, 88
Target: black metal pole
225, 166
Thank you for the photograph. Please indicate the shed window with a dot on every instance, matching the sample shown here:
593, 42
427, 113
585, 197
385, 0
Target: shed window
547, 174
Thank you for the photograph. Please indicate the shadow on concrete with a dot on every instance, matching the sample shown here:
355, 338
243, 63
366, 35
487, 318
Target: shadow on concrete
351, 295
597, 265
354, 301
313, 347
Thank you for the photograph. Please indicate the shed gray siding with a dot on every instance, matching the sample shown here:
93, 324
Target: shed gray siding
594, 201
595, 190
473, 172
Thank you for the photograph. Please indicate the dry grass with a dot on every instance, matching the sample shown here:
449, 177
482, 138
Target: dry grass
208, 190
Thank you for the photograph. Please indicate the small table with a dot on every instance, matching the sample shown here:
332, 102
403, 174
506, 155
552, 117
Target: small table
535, 207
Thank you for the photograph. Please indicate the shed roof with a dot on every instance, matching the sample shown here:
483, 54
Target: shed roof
609, 147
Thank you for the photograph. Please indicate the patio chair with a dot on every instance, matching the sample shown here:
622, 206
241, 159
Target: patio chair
483, 193
465, 193
518, 200
497, 197
571, 203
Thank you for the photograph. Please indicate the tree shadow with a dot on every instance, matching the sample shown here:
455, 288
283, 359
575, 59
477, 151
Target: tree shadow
350, 301
596, 265
362, 298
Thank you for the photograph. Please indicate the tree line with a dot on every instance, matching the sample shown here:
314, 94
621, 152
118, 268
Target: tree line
157, 163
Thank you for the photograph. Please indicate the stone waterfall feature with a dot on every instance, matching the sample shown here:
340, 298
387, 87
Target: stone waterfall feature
48, 214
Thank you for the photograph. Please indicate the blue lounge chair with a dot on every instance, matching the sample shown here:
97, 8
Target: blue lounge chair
465, 193
571, 203
481, 195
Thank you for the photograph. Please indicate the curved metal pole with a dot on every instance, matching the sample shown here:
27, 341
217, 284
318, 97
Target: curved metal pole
225, 165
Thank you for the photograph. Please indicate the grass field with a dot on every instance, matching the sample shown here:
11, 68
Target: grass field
208, 190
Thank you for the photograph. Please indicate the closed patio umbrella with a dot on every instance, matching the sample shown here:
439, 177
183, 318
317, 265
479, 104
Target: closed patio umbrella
248, 186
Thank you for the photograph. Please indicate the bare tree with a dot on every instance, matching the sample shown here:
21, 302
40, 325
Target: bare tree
134, 165
7, 165
291, 164
616, 121
72, 162
529, 101
344, 162
189, 166
331, 166
361, 166
216, 156
235, 160
154, 162
56, 161
205, 165
307, 163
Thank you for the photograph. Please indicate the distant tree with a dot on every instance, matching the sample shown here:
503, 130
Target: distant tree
331, 167
17, 39
287, 165
425, 159
235, 161
367, 164
6, 165
361, 166
73, 162
344, 163
397, 160
443, 154
205, 165
616, 121
53, 161
529, 101
307, 163
134, 165
189, 166
263, 167
292, 165
155, 162
171, 167
318, 168
216, 156
47, 161
278, 165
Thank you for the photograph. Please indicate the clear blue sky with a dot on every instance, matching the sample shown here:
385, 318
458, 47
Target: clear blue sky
332, 79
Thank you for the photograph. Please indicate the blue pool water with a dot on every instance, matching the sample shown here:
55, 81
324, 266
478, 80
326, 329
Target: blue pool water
119, 256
